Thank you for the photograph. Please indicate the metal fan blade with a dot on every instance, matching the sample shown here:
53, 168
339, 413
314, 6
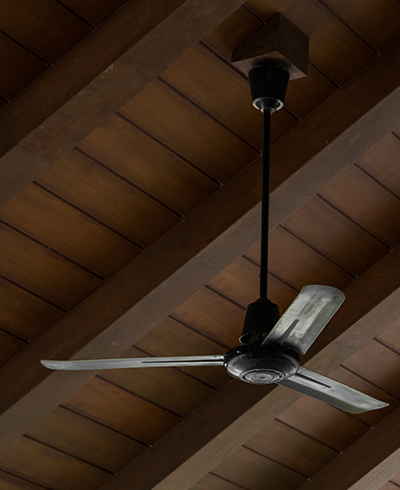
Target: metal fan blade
96, 364
331, 392
306, 317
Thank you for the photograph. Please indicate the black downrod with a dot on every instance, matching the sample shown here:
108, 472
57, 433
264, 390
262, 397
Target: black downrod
265, 203
268, 85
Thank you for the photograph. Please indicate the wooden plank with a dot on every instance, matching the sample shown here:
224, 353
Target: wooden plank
334, 48
213, 316
44, 124
240, 410
10, 346
51, 44
396, 479
377, 22
363, 200
381, 162
50, 468
233, 32
148, 165
389, 486
122, 411
90, 187
295, 262
291, 448
390, 337
239, 282
301, 167
378, 364
250, 470
94, 11
19, 69
334, 428
366, 465
335, 236
213, 482
23, 314
306, 94
280, 293
52, 222
298, 264
184, 128
167, 388
42, 271
224, 95
11, 482
83, 438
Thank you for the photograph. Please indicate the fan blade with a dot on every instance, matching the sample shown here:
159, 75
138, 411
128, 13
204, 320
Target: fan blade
306, 317
331, 392
141, 362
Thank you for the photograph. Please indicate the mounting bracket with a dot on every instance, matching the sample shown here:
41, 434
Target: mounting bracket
279, 42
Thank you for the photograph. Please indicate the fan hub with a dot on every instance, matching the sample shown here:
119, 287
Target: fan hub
262, 376
261, 364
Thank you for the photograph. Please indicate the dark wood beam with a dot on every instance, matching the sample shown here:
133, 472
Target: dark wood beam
187, 257
368, 463
240, 411
95, 79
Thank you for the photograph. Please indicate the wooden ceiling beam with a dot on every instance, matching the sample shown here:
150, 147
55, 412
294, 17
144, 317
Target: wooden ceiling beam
368, 463
225, 226
240, 411
95, 79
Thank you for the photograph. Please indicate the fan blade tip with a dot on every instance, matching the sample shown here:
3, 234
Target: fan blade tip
331, 289
48, 364
376, 406
58, 365
306, 317
332, 392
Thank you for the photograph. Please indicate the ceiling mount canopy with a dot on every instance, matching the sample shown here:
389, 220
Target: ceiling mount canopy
268, 85
279, 42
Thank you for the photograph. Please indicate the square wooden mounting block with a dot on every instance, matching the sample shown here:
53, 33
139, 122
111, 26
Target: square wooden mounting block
279, 41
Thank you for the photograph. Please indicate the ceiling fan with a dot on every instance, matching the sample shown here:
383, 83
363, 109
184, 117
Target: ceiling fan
270, 345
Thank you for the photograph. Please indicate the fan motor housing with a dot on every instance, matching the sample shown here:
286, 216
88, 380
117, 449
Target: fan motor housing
261, 364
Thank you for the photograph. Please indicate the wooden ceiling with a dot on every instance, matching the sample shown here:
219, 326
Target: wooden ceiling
129, 225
